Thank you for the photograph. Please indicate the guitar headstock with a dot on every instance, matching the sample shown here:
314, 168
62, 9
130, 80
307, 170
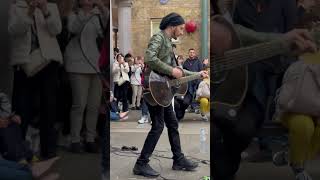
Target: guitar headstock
223, 35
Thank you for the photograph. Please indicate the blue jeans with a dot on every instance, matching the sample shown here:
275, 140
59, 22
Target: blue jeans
114, 116
144, 108
10, 170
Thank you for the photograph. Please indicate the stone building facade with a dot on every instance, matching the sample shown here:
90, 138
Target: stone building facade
134, 32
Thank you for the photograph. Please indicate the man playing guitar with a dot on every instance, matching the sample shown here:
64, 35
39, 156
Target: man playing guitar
160, 58
231, 137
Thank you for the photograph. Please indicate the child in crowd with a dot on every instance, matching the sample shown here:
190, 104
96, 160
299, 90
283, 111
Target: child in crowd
203, 96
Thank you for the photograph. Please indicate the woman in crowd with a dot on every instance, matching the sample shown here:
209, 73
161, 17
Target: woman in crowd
36, 57
81, 62
136, 70
203, 96
121, 81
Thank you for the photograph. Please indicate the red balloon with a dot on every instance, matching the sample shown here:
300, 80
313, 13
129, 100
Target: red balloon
191, 26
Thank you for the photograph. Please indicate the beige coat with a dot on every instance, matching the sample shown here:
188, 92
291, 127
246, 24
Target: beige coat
82, 49
20, 29
203, 90
116, 69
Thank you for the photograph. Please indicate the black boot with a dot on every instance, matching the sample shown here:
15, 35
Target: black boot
184, 164
76, 148
145, 170
92, 147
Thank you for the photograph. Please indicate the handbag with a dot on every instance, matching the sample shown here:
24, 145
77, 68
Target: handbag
36, 64
300, 91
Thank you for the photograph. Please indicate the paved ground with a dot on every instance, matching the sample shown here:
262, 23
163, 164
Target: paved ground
78, 166
87, 166
268, 171
129, 133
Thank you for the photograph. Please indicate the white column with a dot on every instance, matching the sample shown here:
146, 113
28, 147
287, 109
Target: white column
111, 44
124, 22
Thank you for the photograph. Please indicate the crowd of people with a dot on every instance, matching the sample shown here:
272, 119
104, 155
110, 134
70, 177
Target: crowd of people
128, 73
55, 56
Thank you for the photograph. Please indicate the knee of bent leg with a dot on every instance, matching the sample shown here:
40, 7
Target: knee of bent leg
300, 125
158, 128
204, 102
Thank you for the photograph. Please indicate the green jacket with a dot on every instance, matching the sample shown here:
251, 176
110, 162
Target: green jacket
249, 37
159, 55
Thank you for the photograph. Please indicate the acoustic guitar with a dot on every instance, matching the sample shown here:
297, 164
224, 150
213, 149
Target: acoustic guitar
229, 65
161, 89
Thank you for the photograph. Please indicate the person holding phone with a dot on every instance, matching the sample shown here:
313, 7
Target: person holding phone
81, 63
33, 27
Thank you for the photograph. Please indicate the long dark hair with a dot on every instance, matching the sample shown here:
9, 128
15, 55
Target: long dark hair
120, 54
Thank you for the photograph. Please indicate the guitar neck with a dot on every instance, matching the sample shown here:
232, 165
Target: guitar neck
243, 56
184, 79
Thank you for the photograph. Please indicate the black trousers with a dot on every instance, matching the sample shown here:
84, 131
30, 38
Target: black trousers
34, 96
180, 107
160, 116
121, 93
232, 138
64, 100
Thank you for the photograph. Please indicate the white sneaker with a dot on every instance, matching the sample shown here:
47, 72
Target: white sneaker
280, 158
204, 117
143, 120
146, 119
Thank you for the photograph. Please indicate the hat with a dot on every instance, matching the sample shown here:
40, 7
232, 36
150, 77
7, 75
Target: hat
172, 19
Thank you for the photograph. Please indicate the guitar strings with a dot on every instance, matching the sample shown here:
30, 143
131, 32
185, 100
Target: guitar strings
238, 59
240, 56
241, 62
246, 50
244, 53
184, 79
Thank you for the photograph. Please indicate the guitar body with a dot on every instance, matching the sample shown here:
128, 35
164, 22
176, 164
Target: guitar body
229, 87
160, 92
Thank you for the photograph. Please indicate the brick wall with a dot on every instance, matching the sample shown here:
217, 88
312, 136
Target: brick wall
144, 10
